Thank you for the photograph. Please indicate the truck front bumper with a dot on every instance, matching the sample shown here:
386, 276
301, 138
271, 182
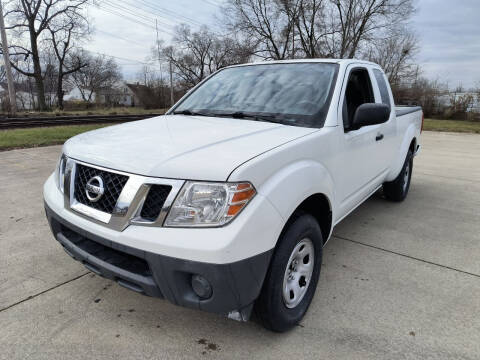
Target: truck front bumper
231, 288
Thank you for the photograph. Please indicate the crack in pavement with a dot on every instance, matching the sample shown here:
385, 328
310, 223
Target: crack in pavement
406, 256
336, 236
43, 292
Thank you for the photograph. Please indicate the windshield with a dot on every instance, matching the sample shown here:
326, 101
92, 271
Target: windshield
293, 94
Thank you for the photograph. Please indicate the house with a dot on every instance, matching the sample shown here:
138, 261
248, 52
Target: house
117, 95
26, 97
127, 94
76, 95
143, 95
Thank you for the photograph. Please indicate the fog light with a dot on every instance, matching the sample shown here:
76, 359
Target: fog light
201, 287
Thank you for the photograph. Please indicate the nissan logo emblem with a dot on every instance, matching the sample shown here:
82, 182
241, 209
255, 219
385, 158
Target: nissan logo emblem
94, 189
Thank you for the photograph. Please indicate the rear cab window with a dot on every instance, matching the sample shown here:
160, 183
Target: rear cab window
383, 87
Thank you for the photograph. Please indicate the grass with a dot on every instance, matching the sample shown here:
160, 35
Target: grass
34, 137
452, 126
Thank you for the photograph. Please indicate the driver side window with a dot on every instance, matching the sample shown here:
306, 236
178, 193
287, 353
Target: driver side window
359, 91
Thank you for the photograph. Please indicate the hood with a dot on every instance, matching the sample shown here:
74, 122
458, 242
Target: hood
180, 147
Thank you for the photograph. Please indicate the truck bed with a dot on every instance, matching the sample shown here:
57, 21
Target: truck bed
404, 110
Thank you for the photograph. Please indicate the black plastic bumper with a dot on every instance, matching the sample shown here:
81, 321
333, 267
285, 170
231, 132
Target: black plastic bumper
235, 286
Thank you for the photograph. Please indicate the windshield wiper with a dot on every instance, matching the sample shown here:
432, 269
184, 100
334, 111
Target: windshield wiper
191, 113
235, 115
254, 116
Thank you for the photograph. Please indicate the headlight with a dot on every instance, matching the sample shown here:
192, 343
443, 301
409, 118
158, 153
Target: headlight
203, 204
60, 172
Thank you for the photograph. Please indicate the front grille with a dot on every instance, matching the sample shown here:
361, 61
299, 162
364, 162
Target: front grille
112, 182
154, 202
109, 255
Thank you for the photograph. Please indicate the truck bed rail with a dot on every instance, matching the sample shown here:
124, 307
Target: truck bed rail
404, 110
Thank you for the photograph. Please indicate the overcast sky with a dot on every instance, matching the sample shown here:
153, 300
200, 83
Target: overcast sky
449, 33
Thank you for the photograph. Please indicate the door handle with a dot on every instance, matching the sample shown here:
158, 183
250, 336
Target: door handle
379, 137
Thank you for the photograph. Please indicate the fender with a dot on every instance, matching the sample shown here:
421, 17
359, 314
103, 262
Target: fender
292, 184
288, 175
305, 178
397, 164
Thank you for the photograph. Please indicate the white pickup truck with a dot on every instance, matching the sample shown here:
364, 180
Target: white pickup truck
225, 203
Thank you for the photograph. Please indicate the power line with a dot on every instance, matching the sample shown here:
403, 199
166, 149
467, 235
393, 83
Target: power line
135, 12
117, 57
210, 2
170, 12
178, 15
127, 15
134, 15
159, 10
130, 41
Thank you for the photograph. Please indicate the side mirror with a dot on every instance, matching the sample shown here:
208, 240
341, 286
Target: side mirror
370, 114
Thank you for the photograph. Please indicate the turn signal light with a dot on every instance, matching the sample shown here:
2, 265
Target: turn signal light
243, 193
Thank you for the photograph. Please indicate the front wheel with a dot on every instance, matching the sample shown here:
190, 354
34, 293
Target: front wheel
397, 189
292, 278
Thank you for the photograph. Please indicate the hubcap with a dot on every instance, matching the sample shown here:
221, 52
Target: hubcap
405, 177
298, 273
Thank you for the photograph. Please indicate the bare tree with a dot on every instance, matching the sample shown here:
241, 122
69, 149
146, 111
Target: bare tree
477, 91
64, 34
432, 95
50, 76
195, 55
396, 56
32, 18
148, 75
310, 27
266, 22
358, 21
286, 29
99, 73
2, 73
460, 104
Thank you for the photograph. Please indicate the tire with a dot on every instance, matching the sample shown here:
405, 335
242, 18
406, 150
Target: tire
397, 190
279, 312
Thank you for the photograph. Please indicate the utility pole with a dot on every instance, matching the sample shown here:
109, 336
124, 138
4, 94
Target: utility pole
8, 68
293, 42
162, 97
171, 84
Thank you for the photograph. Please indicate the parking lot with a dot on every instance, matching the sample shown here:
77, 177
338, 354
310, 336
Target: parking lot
398, 280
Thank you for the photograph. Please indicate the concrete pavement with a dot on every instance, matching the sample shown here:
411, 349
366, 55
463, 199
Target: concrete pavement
399, 281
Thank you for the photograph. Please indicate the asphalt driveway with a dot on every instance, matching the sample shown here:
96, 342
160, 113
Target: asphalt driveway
398, 280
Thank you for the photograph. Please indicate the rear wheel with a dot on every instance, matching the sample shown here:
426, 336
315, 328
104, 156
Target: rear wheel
397, 190
292, 278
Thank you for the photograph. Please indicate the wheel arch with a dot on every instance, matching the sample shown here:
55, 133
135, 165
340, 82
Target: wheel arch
409, 141
413, 145
303, 186
318, 205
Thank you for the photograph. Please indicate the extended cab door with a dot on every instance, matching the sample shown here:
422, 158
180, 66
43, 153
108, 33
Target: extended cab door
365, 158
386, 148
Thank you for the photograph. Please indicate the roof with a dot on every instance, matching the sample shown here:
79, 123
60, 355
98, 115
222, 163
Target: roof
292, 61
